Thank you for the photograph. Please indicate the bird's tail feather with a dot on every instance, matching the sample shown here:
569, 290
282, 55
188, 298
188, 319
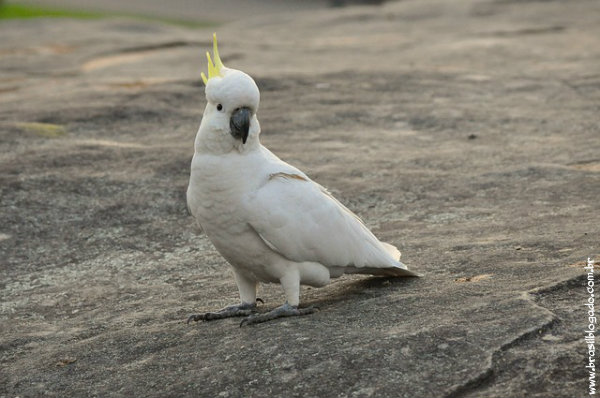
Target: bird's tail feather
399, 270
392, 250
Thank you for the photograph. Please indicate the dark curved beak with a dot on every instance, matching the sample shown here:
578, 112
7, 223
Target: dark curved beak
240, 123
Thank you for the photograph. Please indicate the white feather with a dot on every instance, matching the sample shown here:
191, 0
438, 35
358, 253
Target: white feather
303, 222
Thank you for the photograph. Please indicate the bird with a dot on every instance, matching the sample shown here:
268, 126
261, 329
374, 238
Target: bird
268, 219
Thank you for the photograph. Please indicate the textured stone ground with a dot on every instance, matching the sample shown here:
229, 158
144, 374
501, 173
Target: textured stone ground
466, 133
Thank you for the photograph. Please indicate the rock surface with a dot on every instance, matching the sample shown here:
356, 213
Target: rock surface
466, 133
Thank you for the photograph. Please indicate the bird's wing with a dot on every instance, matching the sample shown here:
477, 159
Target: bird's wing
300, 220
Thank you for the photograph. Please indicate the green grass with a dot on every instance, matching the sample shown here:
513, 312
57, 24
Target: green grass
18, 11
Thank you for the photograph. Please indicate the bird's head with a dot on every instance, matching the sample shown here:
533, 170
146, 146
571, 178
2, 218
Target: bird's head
229, 120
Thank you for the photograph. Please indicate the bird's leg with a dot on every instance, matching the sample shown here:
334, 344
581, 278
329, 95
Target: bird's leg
291, 286
247, 288
279, 312
243, 309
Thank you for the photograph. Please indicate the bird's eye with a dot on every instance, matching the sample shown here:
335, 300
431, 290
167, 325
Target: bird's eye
219, 107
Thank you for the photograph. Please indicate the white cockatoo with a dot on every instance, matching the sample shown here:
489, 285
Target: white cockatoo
267, 218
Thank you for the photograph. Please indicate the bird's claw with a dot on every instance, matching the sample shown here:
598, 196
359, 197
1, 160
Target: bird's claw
243, 309
285, 310
195, 318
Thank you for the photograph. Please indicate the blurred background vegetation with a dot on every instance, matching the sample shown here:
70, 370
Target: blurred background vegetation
20, 11
26, 10
193, 13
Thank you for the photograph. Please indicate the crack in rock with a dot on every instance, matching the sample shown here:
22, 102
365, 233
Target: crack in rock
488, 375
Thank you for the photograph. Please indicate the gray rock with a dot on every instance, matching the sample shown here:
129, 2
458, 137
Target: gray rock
101, 265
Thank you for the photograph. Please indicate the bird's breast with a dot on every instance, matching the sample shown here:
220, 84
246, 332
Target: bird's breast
214, 192
217, 188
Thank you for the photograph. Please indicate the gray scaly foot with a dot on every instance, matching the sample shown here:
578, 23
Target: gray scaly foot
279, 312
243, 309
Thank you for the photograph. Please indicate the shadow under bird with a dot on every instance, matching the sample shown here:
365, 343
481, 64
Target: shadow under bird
270, 221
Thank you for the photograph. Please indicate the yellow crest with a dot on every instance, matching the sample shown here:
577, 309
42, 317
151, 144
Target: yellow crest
214, 69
